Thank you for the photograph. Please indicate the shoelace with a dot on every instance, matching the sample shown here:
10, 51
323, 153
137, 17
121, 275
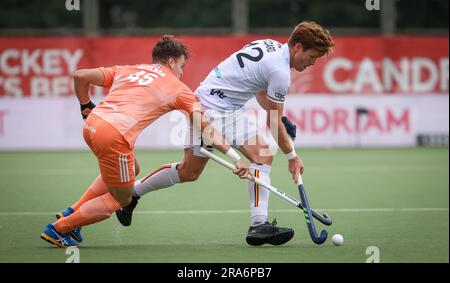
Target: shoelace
274, 222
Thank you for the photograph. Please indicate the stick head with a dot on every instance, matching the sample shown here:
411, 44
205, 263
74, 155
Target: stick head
322, 238
317, 239
326, 219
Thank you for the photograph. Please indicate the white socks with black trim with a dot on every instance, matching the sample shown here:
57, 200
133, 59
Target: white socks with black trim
164, 177
259, 196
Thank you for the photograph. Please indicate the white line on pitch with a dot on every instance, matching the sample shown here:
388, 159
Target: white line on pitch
417, 209
311, 168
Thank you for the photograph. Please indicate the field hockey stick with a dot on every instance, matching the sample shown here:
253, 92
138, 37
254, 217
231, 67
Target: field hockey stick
325, 218
307, 212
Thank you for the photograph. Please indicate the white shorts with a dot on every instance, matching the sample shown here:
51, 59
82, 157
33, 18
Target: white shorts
236, 127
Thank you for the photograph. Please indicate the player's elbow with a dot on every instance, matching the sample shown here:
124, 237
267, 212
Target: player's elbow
80, 75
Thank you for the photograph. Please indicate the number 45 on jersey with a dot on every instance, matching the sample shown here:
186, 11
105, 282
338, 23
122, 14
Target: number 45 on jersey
142, 77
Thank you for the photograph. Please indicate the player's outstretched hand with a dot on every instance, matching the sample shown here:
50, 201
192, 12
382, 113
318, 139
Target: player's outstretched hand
86, 109
295, 167
241, 169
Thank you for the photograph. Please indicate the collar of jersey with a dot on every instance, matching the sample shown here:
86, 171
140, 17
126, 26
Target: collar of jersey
286, 54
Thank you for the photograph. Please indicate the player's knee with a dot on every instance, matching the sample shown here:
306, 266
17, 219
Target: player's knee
267, 160
122, 197
188, 175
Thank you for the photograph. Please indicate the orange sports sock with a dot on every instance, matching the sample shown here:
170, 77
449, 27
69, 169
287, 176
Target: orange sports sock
97, 188
92, 211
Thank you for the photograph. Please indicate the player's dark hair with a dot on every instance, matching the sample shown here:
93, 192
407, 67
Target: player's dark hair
312, 36
168, 47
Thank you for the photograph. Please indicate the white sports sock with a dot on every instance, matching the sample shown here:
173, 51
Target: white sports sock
259, 196
164, 177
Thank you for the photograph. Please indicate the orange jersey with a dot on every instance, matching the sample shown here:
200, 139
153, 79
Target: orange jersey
139, 95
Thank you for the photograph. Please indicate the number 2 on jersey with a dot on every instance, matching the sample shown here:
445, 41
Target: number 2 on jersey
142, 78
256, 58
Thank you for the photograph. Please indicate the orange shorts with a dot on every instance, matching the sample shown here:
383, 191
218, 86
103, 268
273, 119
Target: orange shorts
114, 154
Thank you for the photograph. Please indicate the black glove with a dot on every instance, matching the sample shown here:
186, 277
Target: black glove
86, 109
291, 128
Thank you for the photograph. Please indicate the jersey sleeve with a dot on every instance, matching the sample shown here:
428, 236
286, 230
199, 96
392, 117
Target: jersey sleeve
186, 101
278, 86
109, 73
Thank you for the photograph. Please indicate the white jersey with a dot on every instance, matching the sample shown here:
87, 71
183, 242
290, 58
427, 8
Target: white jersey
263, 65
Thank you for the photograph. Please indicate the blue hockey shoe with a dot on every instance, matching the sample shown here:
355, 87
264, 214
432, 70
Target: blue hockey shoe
53, 237
75, 234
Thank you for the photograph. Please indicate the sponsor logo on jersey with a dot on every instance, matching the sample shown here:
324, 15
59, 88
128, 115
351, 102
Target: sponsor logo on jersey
269, 46
218, 92
280, 96
218, 73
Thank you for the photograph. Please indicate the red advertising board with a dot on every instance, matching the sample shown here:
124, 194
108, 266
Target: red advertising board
406, 65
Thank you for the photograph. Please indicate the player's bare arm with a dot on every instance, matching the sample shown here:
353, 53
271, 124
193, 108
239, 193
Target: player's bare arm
290, 127
83, 78
261, 97
275, 113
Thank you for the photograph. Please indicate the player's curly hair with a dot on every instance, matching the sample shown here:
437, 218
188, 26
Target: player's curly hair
312, 35
169, 47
